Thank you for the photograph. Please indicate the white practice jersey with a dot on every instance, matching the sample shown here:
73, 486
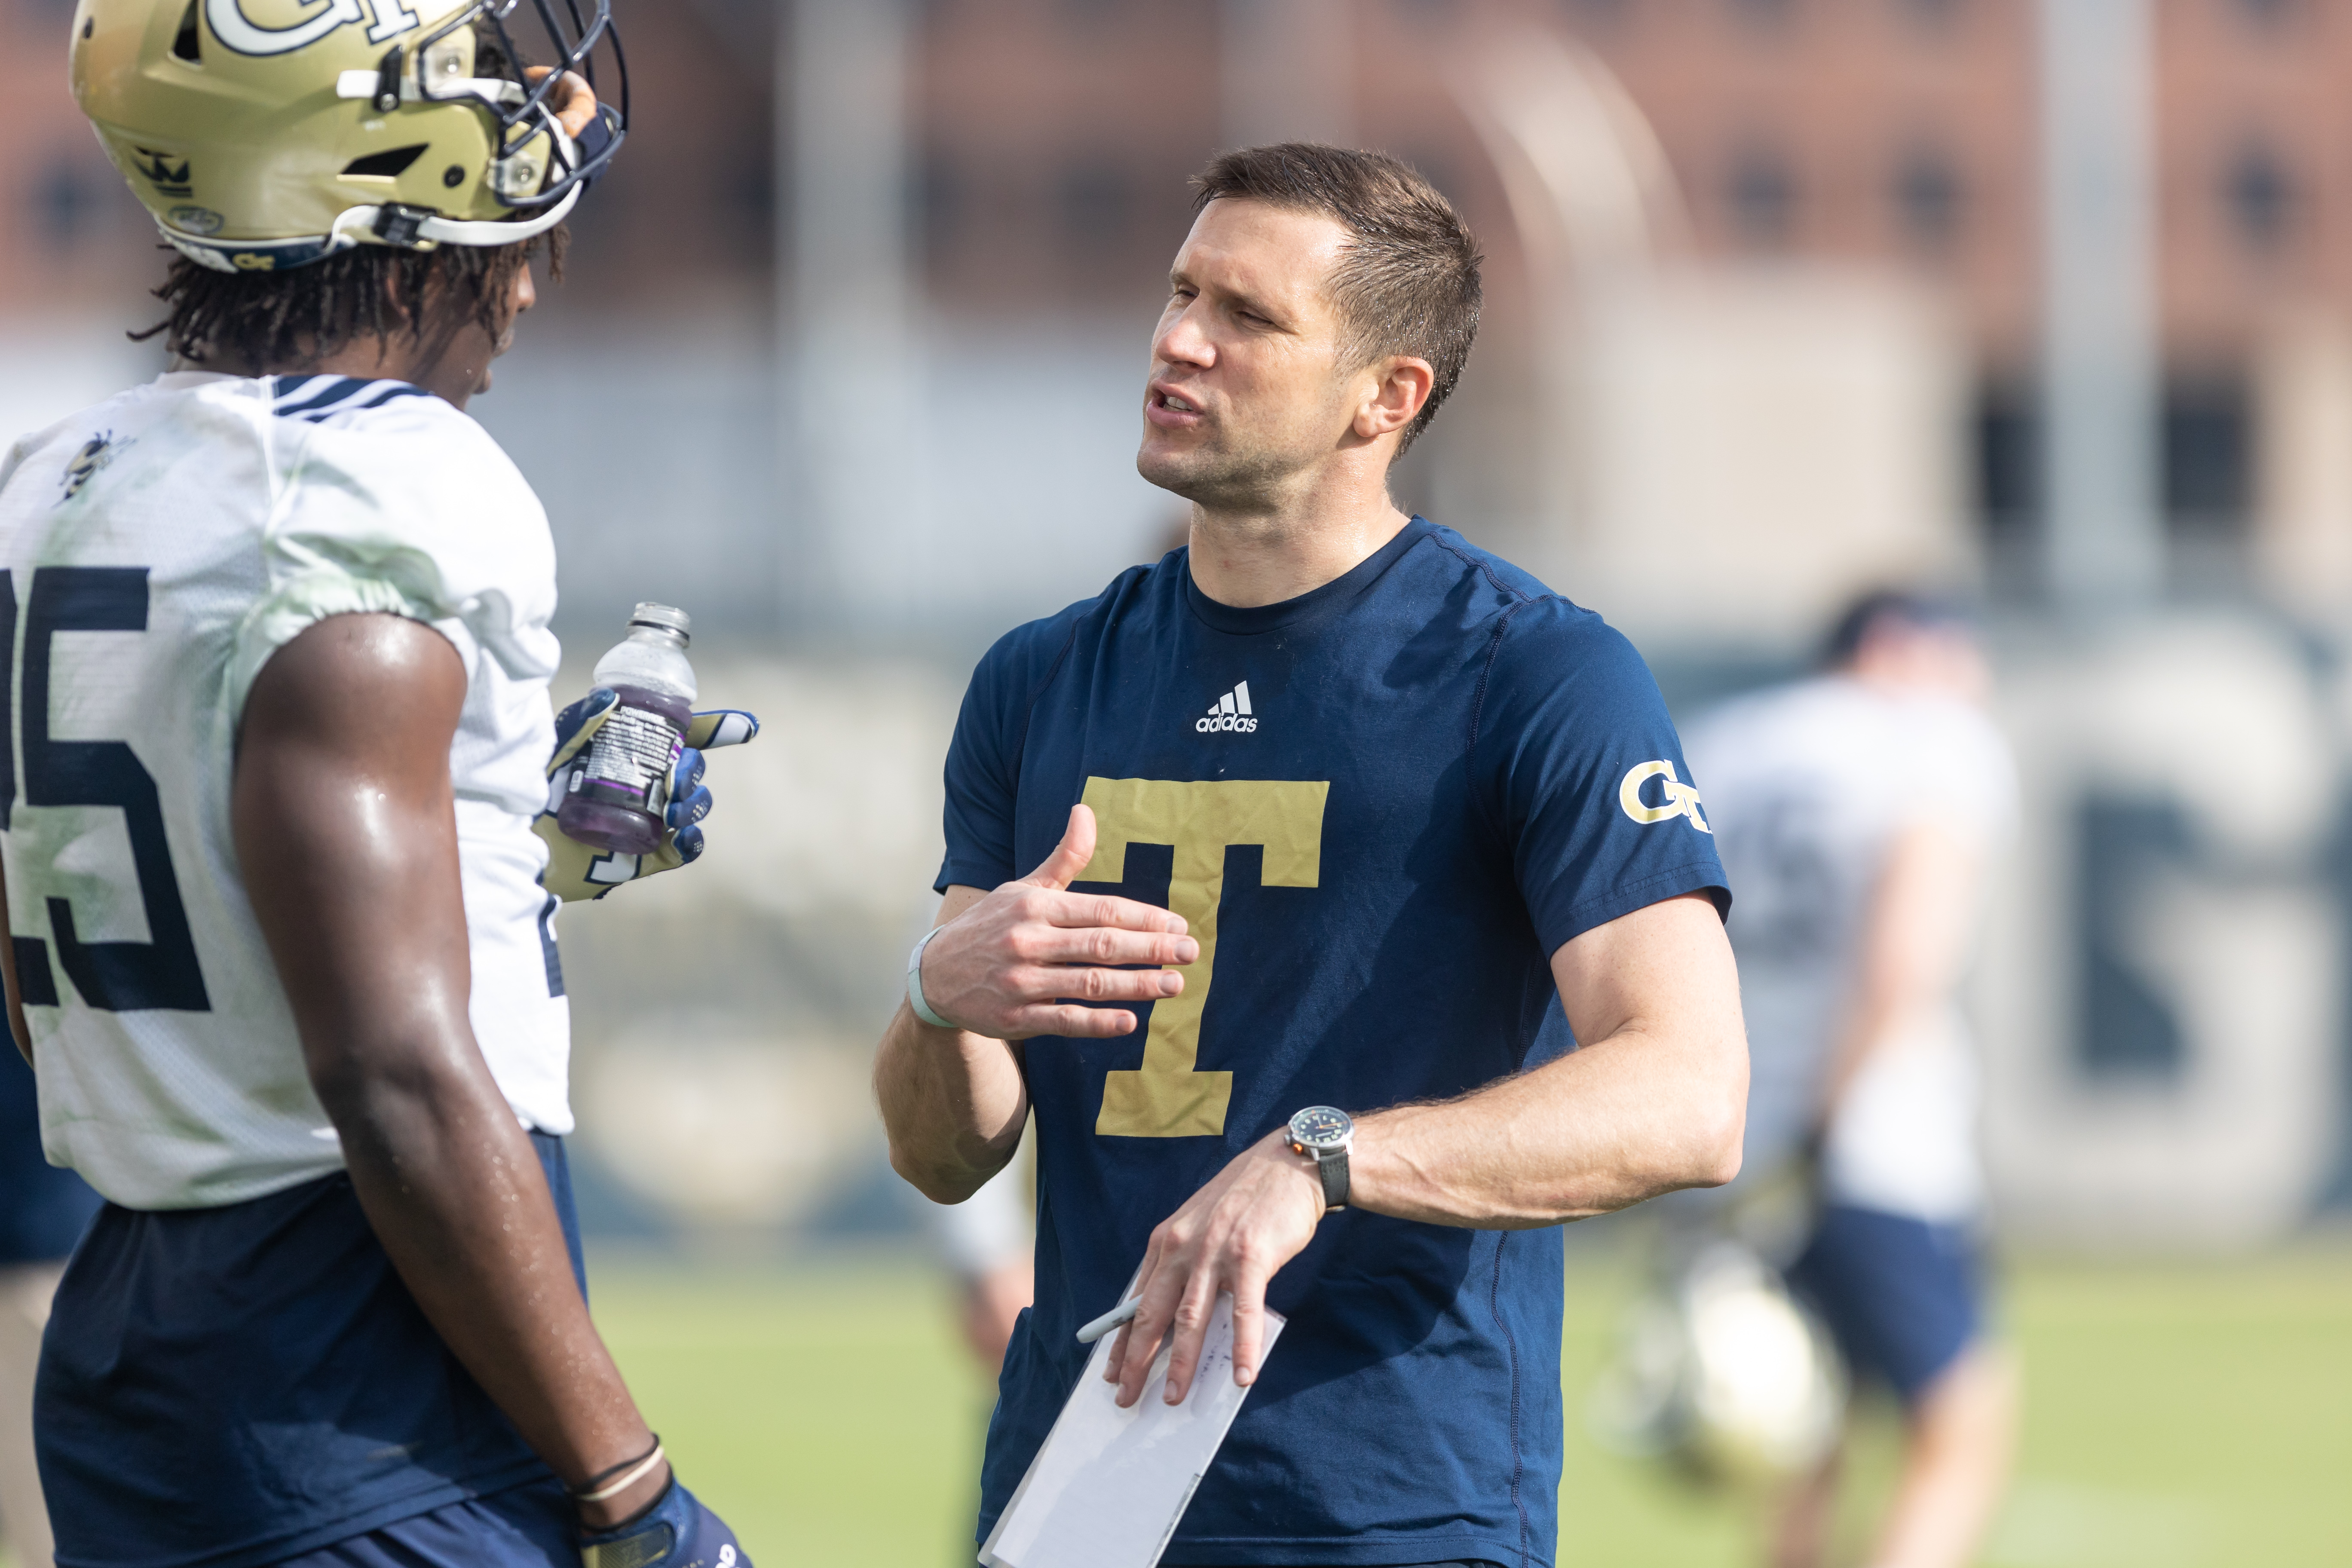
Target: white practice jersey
155, 552
1807, 787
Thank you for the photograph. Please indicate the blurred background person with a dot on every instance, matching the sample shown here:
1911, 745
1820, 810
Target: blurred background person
42, 1212
986, 1245
1856, 810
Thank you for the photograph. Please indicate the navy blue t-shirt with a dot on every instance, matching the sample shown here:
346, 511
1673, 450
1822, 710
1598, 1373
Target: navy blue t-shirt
227, 1388
1382, 807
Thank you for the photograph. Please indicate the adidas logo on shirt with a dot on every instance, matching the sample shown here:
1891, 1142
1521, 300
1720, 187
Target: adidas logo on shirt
1231, 711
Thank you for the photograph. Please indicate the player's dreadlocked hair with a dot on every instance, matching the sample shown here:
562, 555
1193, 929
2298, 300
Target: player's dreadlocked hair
290, 320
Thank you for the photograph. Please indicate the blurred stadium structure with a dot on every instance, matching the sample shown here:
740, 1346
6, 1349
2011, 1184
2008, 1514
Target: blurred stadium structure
1788, 298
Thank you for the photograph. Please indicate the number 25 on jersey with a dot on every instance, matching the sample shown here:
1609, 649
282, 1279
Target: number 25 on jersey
119, 976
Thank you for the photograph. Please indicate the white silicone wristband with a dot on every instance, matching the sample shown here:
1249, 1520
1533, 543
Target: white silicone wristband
636, 1473
915, 983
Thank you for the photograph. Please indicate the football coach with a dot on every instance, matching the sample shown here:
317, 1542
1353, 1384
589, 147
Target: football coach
1376, 928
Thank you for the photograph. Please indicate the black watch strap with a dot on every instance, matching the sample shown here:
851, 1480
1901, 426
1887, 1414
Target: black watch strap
1333, 1168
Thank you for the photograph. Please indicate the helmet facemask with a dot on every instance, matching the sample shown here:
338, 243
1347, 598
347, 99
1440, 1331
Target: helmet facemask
519, 104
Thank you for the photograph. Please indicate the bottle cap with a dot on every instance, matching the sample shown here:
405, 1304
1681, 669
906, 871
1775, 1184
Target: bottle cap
662, 618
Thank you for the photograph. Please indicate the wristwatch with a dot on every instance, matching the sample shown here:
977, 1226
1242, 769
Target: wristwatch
1324, 1135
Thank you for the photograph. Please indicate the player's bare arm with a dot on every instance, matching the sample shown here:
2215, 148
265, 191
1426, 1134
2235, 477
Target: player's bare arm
18, 1030
1915, 945
346, 830
1005, 965
1655, 1102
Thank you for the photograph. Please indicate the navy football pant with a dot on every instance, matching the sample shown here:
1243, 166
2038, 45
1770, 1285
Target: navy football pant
523, 1527
1900, 1296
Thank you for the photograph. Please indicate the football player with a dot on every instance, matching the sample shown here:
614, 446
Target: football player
280, 927
1859, 809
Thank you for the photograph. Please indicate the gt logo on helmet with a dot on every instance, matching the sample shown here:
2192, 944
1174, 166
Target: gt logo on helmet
233, 27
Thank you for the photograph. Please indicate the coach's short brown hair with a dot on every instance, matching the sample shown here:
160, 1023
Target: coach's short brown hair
1409, 284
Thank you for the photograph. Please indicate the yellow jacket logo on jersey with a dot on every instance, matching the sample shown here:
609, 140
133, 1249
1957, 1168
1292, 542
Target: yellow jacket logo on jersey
1681, 799
95, 453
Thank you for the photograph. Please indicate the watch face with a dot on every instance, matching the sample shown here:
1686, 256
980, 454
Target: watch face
1320, 1127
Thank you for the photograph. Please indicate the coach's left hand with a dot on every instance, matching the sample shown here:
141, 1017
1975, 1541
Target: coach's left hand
1231, 1237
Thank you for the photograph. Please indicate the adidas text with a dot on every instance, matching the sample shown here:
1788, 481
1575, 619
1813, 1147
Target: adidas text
1229, 712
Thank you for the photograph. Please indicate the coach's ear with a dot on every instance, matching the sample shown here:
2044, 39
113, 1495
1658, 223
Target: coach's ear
1397, 389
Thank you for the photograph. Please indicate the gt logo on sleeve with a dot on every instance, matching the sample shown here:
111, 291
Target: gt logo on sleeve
1678, 799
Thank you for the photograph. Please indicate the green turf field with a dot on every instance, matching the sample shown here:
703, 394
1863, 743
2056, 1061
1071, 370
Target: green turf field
2178, 1415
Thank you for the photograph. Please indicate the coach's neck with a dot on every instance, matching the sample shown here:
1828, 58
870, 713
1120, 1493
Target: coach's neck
1318, 526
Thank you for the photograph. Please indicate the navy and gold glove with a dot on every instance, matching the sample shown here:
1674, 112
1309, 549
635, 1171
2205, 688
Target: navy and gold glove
577, 871
678, 1531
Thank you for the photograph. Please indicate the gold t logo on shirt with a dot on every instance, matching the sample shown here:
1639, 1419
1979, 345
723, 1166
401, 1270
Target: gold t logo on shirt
1167, 1098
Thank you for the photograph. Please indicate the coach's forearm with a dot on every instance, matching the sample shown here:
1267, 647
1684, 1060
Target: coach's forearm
952, 1102
1624, 1119
1029, 958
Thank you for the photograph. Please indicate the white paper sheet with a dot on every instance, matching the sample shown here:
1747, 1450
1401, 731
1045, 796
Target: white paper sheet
1109, 1485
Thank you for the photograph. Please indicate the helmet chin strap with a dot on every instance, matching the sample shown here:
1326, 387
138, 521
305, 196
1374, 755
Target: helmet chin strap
433, 229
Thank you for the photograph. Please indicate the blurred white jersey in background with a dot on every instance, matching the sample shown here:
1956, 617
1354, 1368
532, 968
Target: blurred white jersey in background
1807, 786
157, 549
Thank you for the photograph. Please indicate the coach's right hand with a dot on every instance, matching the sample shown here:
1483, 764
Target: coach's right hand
1003, 967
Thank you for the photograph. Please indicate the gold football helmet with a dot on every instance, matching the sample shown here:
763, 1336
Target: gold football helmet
264, 134
1724, 1373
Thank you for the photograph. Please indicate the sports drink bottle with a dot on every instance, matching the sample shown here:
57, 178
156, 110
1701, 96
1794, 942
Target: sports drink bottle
620, 782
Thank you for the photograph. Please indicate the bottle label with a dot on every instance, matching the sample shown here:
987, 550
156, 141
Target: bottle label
630, 757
